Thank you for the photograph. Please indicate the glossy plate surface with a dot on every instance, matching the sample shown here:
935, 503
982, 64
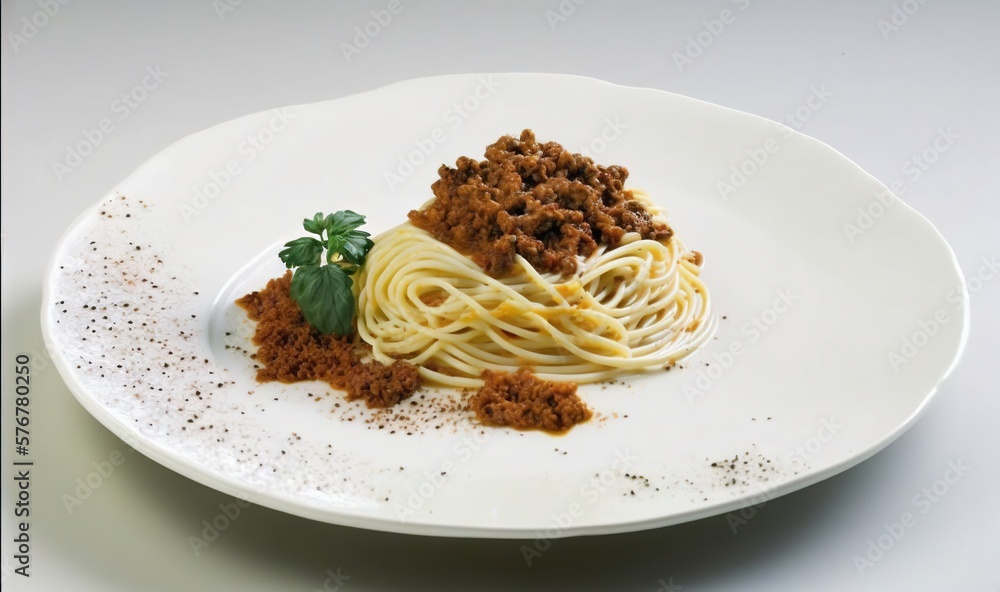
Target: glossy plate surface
842, 311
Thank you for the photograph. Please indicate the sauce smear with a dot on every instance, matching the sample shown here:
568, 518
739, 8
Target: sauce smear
292, 350
522, 400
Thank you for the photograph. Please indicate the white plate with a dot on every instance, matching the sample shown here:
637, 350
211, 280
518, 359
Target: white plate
841, 337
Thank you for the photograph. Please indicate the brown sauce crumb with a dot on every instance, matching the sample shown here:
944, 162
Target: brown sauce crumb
522, 400
291, 350
535, 200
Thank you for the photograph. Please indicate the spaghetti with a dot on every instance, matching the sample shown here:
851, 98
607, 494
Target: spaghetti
637, 305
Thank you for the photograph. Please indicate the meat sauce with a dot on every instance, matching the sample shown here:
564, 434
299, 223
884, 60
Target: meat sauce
522, 400
291, 350
536, 200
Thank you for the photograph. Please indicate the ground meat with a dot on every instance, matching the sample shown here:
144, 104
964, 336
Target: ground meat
292, 350
524, 401
534, 200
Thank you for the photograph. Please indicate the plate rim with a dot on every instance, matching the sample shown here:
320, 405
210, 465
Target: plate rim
174, 461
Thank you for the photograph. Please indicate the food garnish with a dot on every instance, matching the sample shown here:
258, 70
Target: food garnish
321, 284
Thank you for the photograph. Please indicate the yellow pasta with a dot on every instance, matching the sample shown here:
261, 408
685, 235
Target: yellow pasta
638, 305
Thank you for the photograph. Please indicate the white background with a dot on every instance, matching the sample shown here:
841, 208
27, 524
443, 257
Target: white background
890, 89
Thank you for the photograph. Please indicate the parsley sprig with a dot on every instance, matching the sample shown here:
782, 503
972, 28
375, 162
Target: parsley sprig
322, 284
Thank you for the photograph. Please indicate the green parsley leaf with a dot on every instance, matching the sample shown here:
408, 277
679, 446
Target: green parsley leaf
333, 246
316, 225
356, 246
322, 285
302, 251
324, 295
342, 222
